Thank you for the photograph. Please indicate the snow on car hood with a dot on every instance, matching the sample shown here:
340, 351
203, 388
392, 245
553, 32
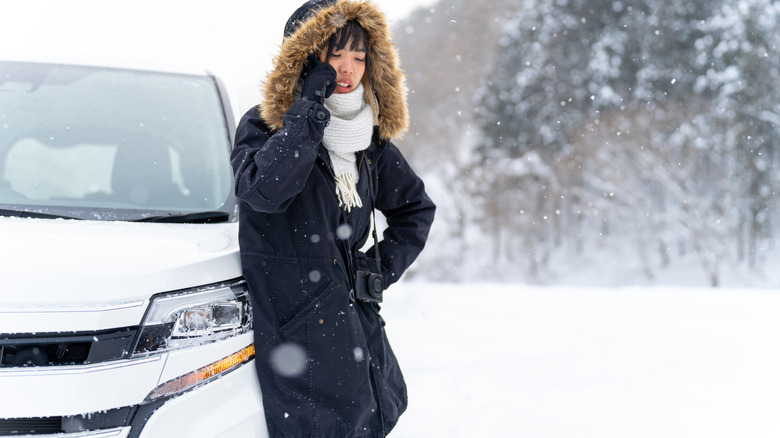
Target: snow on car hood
47, 263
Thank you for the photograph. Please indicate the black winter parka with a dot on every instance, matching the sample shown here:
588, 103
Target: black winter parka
300, 251
325, 366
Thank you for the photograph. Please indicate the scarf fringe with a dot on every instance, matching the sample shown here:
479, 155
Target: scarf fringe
345, 189
349, 131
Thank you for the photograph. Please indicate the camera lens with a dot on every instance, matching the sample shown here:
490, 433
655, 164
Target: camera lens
375, 285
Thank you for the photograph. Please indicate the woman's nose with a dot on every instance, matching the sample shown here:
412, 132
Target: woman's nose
345, 67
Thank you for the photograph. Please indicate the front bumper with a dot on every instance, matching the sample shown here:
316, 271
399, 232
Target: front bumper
111, 399
228, 407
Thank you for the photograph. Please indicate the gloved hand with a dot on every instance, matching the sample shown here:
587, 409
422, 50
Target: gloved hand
320, 83
364, 262
361, 262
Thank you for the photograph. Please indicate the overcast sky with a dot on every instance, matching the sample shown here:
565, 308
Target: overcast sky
235, 39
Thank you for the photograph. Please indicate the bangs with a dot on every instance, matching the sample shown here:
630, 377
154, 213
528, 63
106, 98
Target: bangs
352, 31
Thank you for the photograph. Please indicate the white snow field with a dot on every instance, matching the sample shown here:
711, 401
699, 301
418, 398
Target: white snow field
502, 360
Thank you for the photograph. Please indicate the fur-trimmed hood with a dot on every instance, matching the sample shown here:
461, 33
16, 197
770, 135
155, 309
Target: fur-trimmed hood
386, 89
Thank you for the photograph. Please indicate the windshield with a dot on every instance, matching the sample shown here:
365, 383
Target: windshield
109, 144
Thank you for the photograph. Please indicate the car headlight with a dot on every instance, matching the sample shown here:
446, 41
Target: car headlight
194, 316
202, 375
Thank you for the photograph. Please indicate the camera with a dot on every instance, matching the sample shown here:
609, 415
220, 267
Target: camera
368, 286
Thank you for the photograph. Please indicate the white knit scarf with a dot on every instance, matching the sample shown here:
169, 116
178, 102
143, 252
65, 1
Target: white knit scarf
350, 130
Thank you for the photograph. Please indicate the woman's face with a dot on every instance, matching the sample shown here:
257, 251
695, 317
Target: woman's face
350, 65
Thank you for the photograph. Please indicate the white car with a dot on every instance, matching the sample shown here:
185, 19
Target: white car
123, 312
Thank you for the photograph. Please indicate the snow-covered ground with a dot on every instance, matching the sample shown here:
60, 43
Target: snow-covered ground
487, 360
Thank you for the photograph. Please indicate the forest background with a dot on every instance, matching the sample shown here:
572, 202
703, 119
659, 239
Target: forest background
566, 142
598, 143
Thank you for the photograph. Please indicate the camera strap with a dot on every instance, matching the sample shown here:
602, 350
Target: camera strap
372, 195
376, 244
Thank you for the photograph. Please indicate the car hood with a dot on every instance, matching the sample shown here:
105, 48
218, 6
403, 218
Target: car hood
61, 263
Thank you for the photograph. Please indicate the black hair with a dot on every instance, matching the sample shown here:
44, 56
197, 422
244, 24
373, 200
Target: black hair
352, 31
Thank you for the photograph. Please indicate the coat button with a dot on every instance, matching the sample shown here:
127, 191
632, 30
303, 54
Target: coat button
322, 321
321, 115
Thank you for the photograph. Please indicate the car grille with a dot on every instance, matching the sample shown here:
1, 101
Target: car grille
37, 350
134, 416
30, 426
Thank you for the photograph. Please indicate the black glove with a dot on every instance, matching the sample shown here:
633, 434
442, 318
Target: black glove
364, 262
361, 262
320, 83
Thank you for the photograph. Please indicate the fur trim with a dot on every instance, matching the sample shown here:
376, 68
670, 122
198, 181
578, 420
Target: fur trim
388, 97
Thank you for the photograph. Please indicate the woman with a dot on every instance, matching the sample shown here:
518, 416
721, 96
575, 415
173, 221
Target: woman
312, 162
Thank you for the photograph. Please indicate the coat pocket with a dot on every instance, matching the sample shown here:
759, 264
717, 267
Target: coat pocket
316, 302
336, 379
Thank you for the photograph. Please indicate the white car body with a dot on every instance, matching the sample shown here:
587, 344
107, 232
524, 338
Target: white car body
95, 283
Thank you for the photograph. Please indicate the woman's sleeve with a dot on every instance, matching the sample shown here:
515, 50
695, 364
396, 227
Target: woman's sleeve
271, 168
401, 197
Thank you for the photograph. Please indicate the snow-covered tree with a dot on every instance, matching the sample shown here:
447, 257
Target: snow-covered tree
655, 116
648, 125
